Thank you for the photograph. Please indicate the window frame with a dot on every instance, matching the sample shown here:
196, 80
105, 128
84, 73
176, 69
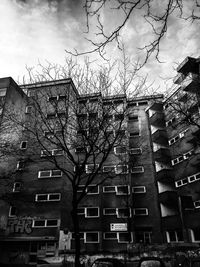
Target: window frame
10, 215
137, 187
91, 242
14, 186
28, 109
94, 168
135, 209
122, 153
110, 214
45, 223
123, 172
48, 197
89, 216
21, 145
51, 172
176, 237
142, 169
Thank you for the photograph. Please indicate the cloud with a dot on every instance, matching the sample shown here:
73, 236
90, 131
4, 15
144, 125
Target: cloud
43, 29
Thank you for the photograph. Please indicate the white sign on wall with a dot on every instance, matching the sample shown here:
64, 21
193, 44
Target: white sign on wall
118, 227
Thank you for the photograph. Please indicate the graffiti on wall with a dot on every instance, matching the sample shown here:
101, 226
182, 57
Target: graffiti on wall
20, 225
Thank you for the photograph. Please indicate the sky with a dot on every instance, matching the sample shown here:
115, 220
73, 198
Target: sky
35, 31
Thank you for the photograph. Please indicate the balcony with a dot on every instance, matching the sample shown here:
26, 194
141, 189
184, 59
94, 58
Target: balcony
189, 64
168, 198
157, 119
178, 78
171, 222
160, 136
191, 83
158, 106
165, 175
162, 155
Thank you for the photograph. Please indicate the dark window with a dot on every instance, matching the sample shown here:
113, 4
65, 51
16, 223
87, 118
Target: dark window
23, 145
52, 222
39, 223
42, 197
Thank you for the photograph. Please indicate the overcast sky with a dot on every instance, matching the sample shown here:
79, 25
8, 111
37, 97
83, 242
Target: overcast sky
33, 30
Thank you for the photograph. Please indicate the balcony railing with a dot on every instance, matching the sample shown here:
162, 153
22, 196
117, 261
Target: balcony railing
191, 82
157, 119
160, 136
169, 198
162, 155
165, 175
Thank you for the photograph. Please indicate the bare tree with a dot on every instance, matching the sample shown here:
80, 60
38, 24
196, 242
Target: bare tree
76, 130
156, 18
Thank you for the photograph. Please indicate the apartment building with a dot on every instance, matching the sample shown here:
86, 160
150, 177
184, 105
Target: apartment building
140, 204
182, 124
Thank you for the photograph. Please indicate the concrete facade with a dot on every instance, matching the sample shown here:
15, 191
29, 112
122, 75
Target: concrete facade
141, 206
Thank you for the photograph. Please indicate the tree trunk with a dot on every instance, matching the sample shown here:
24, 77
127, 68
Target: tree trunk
75, 220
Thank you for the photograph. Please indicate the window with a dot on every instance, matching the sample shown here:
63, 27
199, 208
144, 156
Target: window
125, 237
110, 235
119, 117
81, 234
109, 211
53, 152
28, 109
121, 169
45, 223
20, 165
108, 168
51, 116
123, 213
143, 103
143, 236
89, 212
171, 121
109, 189
174, 236
47, 197
120, 150
122, 190
140, 211
132, 118
176, 138
30, 93
197, 204
23, 145
91, 237
51, 223
17, 186
139, 189
52, 98
194, 177
135, 151
181, 182
138, 169
57, 152
92, 190
134, 134
81, 211
49, 173
121, 237
12, 211
182, 158
80, 149
92, 212
91, 168
195, 234
118, 189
